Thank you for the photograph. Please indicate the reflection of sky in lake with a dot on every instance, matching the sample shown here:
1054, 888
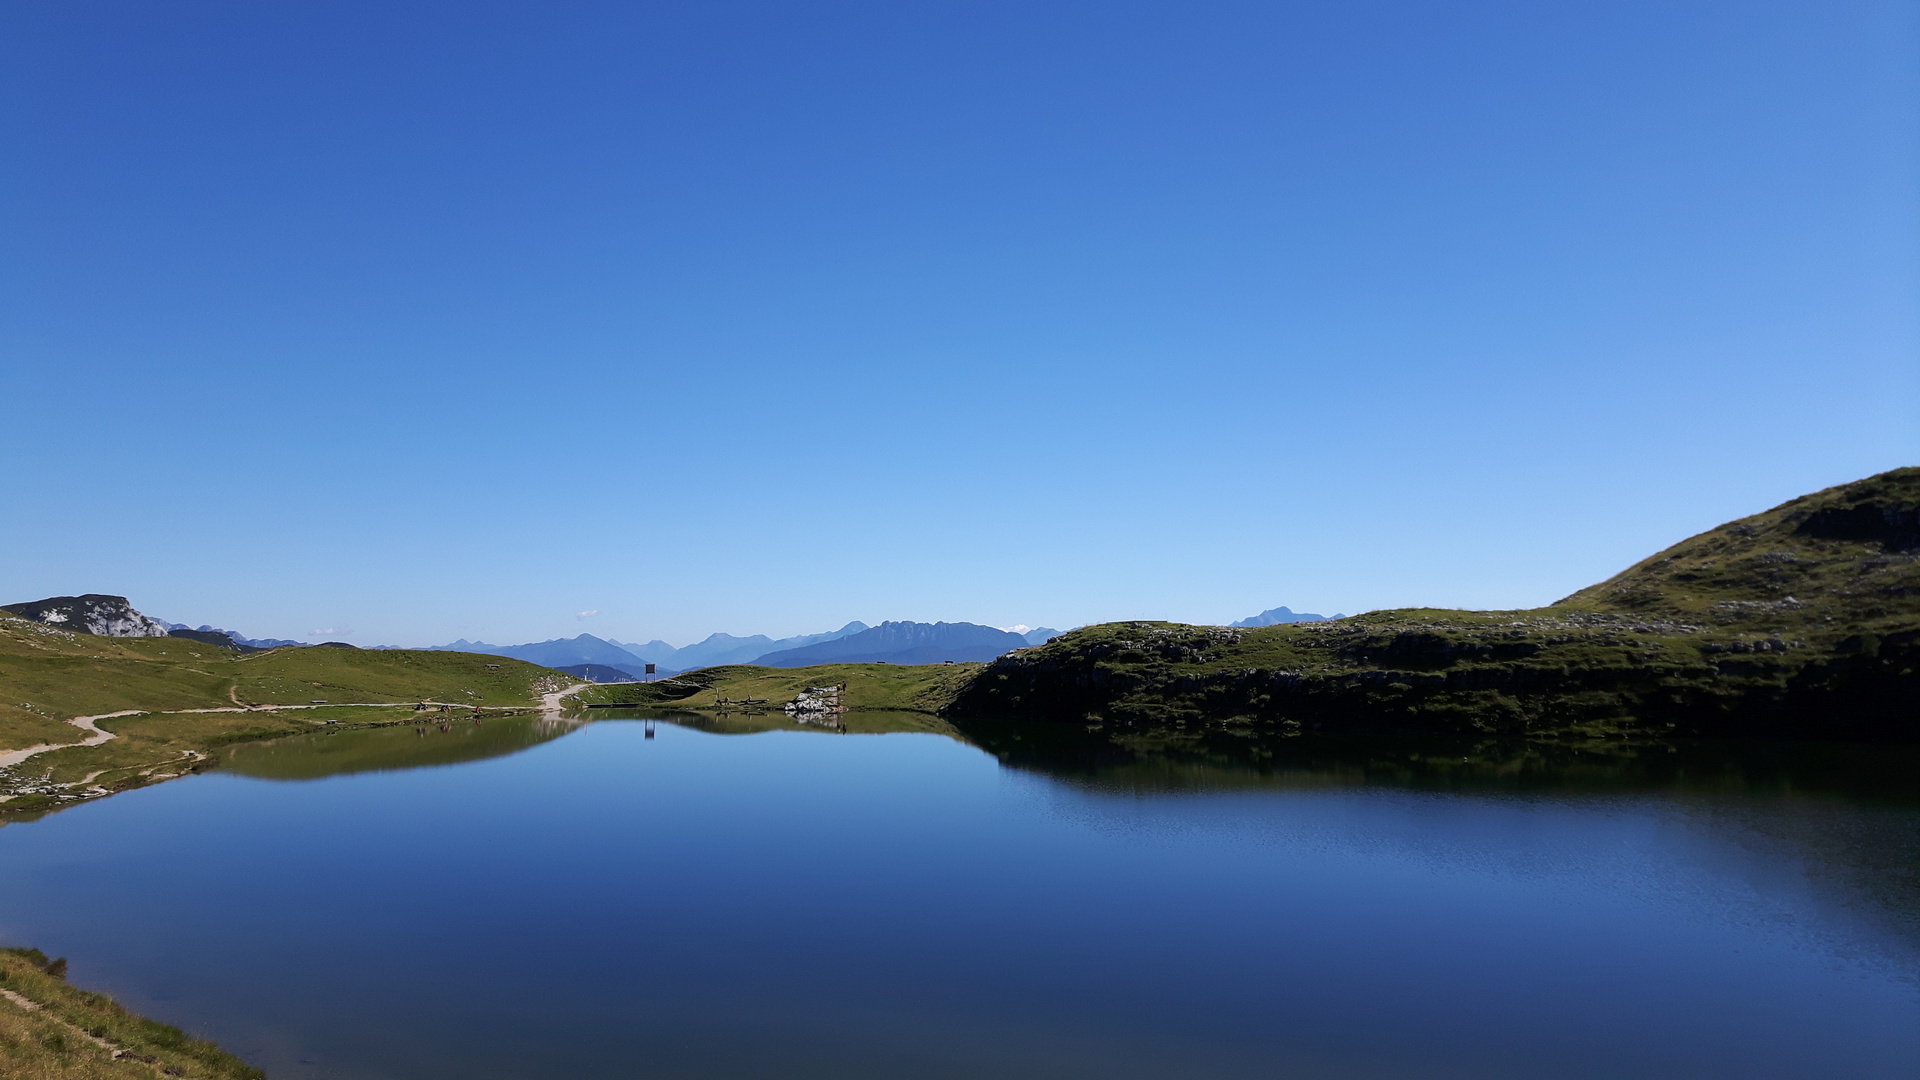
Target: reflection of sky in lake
787, 905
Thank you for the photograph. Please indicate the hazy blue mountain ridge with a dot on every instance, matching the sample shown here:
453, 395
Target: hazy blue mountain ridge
656, 650
557, 653
718, 649
903, 643
565, 654
1276, 616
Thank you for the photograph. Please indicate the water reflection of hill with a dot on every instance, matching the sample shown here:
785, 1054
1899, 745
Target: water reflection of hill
310, 757
1223, 758
1843, 818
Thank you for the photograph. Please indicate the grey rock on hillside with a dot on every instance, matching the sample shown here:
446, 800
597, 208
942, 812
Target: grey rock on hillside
93, 613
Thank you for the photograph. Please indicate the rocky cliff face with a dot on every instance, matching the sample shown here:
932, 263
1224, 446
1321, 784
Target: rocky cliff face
94, 613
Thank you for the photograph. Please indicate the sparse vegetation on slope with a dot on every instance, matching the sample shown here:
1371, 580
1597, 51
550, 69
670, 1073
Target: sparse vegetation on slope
51, 1031
1803, 621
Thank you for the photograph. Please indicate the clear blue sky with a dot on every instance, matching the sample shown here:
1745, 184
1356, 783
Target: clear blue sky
404, 322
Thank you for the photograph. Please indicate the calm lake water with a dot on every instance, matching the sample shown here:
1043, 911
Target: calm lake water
519, 901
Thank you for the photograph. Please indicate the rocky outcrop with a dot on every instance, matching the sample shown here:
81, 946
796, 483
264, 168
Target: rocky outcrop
94, 613
815, 705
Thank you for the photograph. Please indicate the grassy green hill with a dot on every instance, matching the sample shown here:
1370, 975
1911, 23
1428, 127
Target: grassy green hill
49, 675
1841, 561
1803, 621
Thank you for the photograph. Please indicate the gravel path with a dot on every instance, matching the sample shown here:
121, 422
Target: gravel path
15, 757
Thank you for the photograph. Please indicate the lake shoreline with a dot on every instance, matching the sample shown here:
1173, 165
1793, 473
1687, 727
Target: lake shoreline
59, 1031
21, 795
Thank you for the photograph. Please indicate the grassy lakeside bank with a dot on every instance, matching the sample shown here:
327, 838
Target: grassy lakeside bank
192, 698
756, 721
926, 688
1799, 622
152, 747
52, 1031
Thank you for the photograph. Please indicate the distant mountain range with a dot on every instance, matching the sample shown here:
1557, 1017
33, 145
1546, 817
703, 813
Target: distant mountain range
602, 660
719, 649
567, 653
904, 643
1276, 616
856, 642
560, 653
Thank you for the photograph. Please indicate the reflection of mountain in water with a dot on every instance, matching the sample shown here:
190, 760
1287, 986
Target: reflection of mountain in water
1139, 759
310, 757
1843, 819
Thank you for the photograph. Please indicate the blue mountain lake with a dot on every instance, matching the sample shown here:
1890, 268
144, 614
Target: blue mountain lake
528, 901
